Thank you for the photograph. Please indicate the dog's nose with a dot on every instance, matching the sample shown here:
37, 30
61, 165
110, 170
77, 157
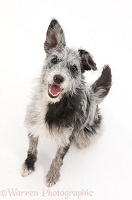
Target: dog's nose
58, 79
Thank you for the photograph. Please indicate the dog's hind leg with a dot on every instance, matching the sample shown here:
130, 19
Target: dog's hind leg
81, 139
85, 136
54, 172
29, 164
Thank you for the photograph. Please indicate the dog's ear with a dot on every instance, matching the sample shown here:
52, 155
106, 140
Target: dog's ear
87, 62
54, 37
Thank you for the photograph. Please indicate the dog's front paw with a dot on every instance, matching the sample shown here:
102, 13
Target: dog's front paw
52, 177
25, 171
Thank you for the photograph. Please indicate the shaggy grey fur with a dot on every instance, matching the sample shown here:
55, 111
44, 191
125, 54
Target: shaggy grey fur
63, 107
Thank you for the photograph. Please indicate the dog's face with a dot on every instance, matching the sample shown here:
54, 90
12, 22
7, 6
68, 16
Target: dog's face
63, 66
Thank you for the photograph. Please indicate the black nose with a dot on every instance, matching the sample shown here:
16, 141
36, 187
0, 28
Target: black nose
58, 79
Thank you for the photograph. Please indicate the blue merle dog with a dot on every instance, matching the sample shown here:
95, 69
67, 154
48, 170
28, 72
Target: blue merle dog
63, 106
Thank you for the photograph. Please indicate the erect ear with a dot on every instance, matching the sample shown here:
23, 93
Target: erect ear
54, 37
86, 61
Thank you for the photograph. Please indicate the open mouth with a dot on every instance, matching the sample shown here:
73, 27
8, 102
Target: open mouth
54, 91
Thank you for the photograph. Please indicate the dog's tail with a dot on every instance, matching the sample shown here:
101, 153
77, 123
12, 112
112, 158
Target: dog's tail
101, 87
99, 90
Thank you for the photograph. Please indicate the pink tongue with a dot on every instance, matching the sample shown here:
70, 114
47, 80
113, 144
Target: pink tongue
55, 90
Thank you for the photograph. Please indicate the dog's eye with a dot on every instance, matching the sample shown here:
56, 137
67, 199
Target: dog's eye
73, 68
54, 60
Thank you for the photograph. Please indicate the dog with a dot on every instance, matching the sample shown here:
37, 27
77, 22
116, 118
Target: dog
63, 106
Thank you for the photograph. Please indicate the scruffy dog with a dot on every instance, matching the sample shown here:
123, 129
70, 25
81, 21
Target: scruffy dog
63, 106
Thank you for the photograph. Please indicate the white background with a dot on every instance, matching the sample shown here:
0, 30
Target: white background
105, 29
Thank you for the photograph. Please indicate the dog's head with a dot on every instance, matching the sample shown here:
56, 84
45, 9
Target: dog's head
63, 66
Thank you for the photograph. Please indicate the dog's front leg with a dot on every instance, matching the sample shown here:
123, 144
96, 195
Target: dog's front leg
54, 172
29, 164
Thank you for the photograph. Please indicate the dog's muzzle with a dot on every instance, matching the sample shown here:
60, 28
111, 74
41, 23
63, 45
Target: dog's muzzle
55, 89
